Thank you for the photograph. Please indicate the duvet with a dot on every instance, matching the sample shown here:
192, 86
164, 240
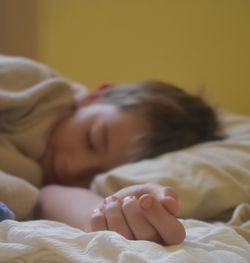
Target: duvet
47, 241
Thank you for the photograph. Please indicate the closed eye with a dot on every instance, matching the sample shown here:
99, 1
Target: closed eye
89, 141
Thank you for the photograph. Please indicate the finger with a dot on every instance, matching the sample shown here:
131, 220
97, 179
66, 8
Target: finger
171, 205
98, 220
115, 218
169, 191
169, 199
141, 228
169, 228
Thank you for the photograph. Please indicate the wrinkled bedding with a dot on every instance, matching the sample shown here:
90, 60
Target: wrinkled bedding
47, 241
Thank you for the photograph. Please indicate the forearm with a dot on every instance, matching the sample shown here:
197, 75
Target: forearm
69, 205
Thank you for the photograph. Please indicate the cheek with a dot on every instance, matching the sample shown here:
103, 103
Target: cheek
85, 178
114, 159
67, 136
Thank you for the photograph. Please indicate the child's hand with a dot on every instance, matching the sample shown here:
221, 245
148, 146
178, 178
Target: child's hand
142, 218
167, 196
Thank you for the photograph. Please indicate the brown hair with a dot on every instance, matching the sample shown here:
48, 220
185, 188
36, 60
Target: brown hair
176, 118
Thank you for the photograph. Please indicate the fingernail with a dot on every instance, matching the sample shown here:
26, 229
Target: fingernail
146, 202
96, 211
110, 199
128, 199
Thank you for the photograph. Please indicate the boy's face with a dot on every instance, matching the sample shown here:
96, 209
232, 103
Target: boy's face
94, 139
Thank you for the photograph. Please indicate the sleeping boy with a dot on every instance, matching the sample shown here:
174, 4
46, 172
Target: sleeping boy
53, 135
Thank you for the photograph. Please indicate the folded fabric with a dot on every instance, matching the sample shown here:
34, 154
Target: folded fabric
32, 99
47, 241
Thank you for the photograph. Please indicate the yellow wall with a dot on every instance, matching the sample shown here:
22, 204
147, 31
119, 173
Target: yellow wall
193, 43
17, 27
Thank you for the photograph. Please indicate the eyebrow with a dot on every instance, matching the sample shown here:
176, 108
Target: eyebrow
105, 137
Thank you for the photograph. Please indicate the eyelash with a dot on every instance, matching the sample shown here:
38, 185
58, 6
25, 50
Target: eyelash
89, 143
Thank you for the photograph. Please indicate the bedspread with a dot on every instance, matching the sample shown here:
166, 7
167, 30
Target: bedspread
48, 241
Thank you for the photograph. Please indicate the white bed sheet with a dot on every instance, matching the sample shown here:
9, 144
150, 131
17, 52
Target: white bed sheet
47, 241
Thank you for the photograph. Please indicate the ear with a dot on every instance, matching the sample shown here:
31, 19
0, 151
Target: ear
99, 91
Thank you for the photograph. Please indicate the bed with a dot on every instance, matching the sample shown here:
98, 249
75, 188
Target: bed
212, 180
47, 241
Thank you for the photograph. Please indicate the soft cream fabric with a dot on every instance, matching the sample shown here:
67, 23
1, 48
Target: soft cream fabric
211, 178
240, 220
18, 194
32, 99
51, 242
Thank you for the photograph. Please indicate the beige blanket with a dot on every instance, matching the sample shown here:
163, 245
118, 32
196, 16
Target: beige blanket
32, 99
53, 242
